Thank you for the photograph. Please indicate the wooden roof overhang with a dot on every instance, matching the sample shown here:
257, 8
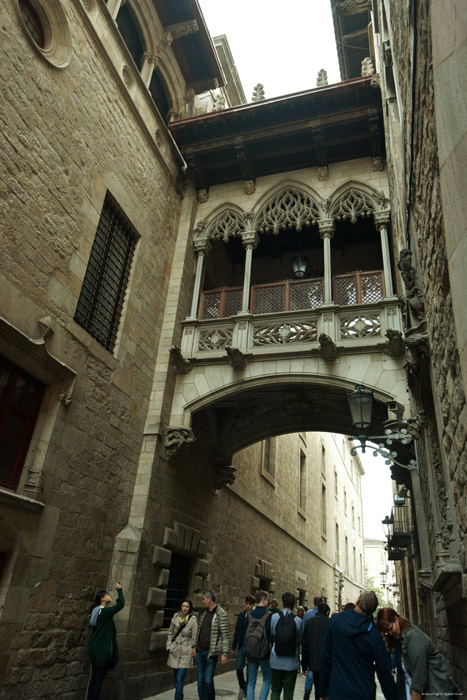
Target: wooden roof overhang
195, 52
351, 19
308, 129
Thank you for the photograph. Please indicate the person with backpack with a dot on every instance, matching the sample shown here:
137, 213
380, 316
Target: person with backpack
257, 646
286, 632
238, 644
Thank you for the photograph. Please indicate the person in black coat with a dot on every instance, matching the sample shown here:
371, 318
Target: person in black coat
312, 645
352, 650
239, 642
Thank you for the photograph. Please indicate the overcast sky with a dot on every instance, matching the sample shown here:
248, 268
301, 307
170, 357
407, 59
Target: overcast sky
282, 45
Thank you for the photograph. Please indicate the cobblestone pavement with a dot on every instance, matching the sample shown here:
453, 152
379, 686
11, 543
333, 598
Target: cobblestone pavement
226, 687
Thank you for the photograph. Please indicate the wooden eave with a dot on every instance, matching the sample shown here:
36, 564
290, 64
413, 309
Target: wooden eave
313, 128
351, 32
194, 53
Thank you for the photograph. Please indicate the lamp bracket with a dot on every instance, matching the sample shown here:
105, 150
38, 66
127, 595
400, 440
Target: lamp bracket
389, 456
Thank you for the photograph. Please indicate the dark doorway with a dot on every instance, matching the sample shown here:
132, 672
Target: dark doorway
177, 588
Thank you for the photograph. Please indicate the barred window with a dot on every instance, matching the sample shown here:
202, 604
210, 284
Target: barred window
103, 292
20, 400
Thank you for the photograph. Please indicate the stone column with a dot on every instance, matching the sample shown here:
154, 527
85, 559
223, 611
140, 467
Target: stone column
202, 247
250, 241
326, 231
381, 220
114, 6
147, 69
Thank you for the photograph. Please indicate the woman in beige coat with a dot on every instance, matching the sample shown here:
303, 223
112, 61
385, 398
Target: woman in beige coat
181, 641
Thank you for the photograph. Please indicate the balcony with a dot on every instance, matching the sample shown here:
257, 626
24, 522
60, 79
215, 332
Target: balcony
291, 316
293, 295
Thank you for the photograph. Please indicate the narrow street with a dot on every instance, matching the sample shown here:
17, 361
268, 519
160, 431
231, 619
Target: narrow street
226, 687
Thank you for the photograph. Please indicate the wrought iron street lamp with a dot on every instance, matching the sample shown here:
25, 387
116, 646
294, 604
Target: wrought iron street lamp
401, 431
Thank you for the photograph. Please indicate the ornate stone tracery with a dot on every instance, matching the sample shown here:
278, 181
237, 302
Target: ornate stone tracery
289, 208
352, 204
227, 224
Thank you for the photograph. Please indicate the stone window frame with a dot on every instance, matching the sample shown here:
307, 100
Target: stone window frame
32, 356
270, 473
112, 344
183, 540
263, 572
57, 50
301, 500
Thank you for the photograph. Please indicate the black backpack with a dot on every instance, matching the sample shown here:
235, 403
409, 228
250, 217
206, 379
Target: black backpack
256, 642
286, 635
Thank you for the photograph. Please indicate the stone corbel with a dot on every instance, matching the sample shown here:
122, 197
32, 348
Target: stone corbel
178, 438
237, 358
223, 474
327, 348
202, 196
177, 363
249, 187
395, 347
46, 326
176, 31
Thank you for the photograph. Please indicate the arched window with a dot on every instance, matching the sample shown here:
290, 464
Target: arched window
129, 29
159, 94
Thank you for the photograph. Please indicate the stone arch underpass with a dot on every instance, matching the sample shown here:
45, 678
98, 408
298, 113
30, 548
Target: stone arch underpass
219, 408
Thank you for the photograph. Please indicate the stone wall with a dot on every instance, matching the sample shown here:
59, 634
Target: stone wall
67, 137
443, 469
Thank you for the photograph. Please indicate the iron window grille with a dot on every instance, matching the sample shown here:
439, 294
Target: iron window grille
20, 401
104, 286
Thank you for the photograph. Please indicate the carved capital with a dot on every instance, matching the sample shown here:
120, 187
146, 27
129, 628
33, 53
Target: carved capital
250, 239
177, 363
381, 219
326, 228
175, 31
202, 245
178, 438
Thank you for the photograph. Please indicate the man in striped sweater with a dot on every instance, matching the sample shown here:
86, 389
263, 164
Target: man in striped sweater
213, 639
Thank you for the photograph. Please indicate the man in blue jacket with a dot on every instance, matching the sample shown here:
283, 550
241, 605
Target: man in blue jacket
353, 649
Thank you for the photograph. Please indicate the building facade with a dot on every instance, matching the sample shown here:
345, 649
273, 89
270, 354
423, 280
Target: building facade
185, 281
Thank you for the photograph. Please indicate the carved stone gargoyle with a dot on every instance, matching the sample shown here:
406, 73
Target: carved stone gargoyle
223, 474
237, 358
327, 348
395, 345
177, 363
178, 438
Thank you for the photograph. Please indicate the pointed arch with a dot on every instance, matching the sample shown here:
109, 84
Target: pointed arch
292, 205
354, 200
228, 221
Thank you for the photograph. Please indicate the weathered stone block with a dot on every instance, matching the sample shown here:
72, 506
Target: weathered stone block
156, 598
197, 584
158, 620
158, 640
254, 582
170, 538
162, 557
163, 580
202, 567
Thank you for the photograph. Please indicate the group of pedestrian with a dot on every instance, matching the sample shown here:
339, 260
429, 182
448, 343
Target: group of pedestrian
339, 655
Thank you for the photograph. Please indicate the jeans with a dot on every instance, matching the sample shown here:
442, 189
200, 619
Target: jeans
97, 679
309, 681
206, 668
179, 675
252, 671
239, 667
282, 680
